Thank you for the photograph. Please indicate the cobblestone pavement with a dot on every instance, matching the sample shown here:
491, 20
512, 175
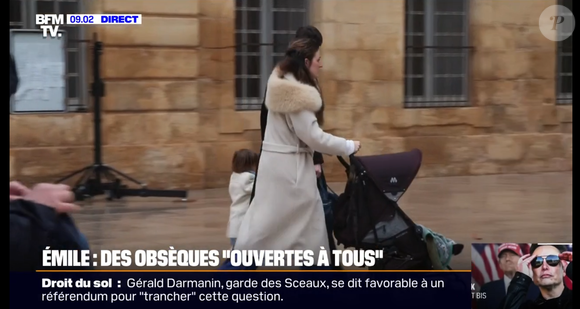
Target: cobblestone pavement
497, 208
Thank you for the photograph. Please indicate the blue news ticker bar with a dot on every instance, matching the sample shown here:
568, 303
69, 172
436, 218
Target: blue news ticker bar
453, 290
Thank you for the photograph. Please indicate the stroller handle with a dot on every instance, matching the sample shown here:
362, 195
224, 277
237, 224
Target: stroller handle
343, 162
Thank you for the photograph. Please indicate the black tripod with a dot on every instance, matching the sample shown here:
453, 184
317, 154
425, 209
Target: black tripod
91, 181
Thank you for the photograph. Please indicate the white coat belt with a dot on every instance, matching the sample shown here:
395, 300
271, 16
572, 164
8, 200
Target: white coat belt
270, 147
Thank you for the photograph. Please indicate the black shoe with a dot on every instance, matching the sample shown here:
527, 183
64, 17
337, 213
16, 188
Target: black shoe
457, 248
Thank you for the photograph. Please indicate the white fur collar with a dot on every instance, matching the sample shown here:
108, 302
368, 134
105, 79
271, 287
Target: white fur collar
287, 95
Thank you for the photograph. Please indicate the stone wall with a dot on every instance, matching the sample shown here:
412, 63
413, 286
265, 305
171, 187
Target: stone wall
170, 121
513, 124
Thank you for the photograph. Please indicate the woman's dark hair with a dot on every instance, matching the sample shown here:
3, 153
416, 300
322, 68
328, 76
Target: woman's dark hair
309, 32
244, 160
294, 62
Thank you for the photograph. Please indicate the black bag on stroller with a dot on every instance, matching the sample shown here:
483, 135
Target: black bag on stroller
367, 216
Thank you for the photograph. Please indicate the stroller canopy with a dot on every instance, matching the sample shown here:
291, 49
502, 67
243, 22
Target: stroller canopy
392, 173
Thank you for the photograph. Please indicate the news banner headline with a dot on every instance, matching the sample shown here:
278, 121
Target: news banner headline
178, 288
50, 23
203, 258
175, 289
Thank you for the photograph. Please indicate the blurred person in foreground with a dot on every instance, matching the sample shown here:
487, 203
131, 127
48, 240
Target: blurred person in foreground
35, 222
495, 291
545, 267
39, 217
287, 212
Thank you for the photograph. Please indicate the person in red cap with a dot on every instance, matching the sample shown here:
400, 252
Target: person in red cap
508, 255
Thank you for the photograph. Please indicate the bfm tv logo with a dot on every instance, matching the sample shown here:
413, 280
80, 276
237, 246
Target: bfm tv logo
557, 23
49, 24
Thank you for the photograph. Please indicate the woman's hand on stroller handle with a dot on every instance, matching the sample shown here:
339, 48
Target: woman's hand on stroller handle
357, 147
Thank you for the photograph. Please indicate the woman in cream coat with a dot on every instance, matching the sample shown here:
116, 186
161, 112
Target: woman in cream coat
286, 212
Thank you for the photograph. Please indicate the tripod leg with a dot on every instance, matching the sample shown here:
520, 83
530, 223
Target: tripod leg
124, 176
109, 176
85, 176
74, 174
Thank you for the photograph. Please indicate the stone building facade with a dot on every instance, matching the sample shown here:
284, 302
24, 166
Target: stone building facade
170, 116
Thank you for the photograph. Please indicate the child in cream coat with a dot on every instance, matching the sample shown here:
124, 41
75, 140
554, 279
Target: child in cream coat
244, 166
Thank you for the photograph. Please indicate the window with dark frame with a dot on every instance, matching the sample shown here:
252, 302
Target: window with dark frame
263, 30
564, 62
22, 16
437, 53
